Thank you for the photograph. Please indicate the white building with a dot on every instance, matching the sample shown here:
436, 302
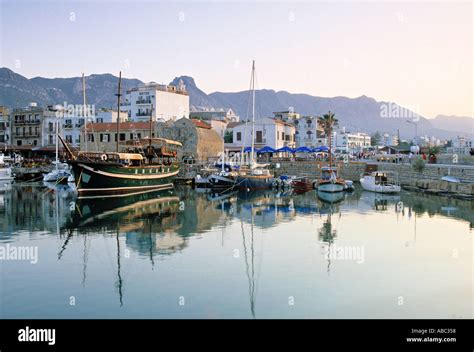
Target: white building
351, 142
108, 115
461, 145
164, 102
268, 132
389, 140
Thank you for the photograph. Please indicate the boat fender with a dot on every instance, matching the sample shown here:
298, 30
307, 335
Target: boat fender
104, 157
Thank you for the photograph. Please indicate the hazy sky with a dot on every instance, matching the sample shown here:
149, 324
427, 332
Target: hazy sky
416, 54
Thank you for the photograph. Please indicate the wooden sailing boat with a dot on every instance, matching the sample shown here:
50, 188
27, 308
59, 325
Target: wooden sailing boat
256, 176
135, 170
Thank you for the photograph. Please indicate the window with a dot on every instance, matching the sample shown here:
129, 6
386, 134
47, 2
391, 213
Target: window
2, 138
50, 127
259, 136
283, 136
139, 135
35, 142
90, 138
100, 120
18, 142
104, 137
50, 139
131, 136
239, 136
122, 136
68, 138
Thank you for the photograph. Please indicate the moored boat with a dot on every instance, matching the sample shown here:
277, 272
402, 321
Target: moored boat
151, 164
380, 182
329, 181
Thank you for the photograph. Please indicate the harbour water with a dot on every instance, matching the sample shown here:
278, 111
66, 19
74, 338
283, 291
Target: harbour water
186, 254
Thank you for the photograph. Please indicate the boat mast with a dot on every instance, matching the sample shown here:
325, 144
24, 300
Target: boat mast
118, 111
330, 142
57, 148
253, 114
151, 122
84, 110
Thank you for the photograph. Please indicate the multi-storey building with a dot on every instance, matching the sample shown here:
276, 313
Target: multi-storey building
5, 131
27, 125
351, 142
163, 102
268, 132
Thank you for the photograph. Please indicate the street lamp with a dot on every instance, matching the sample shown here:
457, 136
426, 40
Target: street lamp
416, 130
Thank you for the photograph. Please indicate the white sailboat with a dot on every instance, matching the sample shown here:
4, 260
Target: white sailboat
61, 173
257, 176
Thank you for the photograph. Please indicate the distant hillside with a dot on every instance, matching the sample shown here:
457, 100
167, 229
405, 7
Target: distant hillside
16, 90
453, 123
356, 114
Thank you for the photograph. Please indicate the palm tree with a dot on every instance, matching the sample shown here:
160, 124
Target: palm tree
328, 122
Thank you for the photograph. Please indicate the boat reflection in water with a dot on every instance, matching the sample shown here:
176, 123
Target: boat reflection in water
148, 220
331, 197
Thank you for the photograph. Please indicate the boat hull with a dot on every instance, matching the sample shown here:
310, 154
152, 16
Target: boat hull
330, 187
219, 182
102, 178
369, 185
251, 182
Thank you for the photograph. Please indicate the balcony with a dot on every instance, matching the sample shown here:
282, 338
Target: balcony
26, 134
144, 101
27, 122
142, 113
67, 125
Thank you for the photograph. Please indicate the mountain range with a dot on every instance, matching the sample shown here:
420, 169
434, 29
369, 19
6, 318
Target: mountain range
356, 114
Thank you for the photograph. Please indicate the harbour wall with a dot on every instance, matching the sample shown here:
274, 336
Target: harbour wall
428, 180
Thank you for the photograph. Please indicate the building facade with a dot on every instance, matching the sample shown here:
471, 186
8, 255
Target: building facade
270, 132
461, 145
351, 142
5, 128
27, 125
102, 137
163, 102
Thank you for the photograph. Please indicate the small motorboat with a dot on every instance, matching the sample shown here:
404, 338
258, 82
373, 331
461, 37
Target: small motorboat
349, 186
380, 182
302, 184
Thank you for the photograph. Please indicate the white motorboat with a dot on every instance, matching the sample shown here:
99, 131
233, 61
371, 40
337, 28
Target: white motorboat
5, 170
380, 182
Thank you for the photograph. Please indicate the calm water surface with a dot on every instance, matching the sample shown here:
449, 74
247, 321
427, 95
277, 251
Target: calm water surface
185, 254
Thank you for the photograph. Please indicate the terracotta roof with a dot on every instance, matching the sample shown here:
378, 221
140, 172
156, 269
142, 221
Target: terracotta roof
201, 124
112, 126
